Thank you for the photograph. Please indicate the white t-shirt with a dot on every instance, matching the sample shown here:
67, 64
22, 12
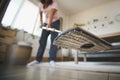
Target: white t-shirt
47, 10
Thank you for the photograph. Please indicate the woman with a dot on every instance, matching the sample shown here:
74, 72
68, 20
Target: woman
49, 8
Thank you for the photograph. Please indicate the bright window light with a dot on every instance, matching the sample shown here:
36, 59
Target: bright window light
23, 15
11, 11
26, 18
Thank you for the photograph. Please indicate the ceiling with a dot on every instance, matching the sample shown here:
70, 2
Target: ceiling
73, 6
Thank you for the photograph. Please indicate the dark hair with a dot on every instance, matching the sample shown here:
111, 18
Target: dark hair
46, 1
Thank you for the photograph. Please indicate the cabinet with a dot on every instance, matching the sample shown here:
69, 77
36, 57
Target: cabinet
18, 54
6, 38
3, 49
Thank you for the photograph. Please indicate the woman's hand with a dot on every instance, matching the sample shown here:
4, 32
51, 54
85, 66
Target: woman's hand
49, 26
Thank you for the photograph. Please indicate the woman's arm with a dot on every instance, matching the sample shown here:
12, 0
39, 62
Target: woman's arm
41, 19
52, 12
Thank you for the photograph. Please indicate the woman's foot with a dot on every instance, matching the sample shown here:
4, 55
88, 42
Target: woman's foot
52, 63
33, 63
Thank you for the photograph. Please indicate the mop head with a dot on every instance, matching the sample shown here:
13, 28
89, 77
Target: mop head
82, 40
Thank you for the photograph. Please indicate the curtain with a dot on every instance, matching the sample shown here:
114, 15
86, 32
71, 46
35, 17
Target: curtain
3, 7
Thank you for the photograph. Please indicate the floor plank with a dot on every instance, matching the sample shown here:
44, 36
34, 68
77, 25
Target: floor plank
62, 71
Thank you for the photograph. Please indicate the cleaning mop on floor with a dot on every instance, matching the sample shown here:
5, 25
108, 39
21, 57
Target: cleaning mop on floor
82, 40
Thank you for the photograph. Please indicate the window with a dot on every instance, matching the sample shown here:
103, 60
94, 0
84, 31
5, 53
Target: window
23, 15
11, 12
3, 7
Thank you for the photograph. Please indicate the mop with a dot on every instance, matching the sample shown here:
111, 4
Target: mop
79, 39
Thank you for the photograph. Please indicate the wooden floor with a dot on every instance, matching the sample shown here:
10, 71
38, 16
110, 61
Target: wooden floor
62, 71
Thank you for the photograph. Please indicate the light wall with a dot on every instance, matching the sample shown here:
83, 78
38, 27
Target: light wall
109, 10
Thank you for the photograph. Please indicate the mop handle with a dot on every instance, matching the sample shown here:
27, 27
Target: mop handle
51, 29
